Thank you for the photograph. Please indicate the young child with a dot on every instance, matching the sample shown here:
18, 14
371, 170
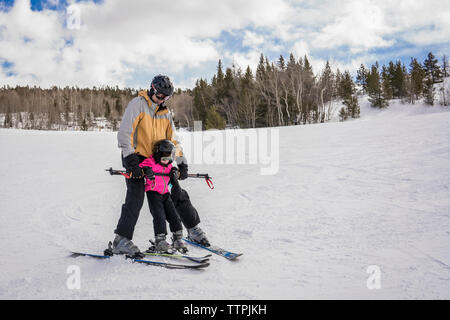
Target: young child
158, 196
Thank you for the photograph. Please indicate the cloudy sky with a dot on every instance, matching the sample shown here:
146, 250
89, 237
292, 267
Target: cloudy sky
125, 43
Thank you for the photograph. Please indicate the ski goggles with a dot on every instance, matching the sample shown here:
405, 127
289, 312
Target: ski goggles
167, 156
160, 96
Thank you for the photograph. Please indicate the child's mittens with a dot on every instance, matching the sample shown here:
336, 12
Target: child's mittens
174, 173
149, 173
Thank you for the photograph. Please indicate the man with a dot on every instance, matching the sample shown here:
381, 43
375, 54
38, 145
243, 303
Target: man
146, 120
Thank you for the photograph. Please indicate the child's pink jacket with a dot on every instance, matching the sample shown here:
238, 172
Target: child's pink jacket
161, 183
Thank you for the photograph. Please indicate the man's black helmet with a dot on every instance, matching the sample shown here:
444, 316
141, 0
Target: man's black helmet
162, 84
163, 148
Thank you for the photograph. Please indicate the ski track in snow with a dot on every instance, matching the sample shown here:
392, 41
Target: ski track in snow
372, 191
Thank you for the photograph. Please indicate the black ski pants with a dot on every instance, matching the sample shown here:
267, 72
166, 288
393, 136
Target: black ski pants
162, 209
188, 214
135, 199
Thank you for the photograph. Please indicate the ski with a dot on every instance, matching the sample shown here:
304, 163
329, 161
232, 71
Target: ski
215, 249
172, 265
179, 256
143, 261
83, 254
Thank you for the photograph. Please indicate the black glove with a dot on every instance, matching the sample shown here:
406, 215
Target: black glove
149, 173
174, 173
131, 163
183, 171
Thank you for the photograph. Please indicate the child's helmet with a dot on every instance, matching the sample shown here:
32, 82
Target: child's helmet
163, 148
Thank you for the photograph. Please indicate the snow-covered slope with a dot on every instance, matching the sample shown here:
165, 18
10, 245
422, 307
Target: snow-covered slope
368, 192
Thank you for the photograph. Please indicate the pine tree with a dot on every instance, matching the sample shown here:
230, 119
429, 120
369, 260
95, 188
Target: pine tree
307, 68
218, 83
118, 106
386, 81
432, 69
291, 63
107, 110
84, 125
79, 114
203, 98
361, 77
327, 82
343, 114
228, 83
260, 69
248, 77
7, 123
432, 75
429, 91
309, 82
66, 115
377, 96
115, 124
348, 94
214, 120
31, 119
220, 74
353, 109
338, 81
398, 78
247, 100
417, 74
281, 63
346, 87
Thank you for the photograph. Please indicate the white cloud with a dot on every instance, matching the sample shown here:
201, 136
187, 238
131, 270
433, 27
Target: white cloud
252, 39
119, 38
300, 49
361, 25
243, 60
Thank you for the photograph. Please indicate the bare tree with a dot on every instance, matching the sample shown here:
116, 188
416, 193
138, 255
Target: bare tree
182, 106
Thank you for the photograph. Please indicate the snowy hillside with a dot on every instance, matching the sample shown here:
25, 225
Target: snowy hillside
347, 196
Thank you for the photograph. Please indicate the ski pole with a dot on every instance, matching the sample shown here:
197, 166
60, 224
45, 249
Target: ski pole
203, 175
115, 172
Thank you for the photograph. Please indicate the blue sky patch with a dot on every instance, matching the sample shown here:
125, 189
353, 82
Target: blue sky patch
39, 5
6, 5
7, 67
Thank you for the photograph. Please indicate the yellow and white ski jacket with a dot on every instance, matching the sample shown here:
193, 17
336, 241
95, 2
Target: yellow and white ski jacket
143, 124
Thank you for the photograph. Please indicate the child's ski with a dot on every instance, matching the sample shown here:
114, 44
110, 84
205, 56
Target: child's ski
214, 249
143, 261
179, 256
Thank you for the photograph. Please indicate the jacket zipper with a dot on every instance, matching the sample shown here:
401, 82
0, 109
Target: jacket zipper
164, 190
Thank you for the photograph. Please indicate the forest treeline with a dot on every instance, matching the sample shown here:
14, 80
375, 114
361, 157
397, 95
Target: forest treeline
279, 93
63, 108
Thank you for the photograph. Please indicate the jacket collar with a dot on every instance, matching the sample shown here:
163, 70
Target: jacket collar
150, 103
